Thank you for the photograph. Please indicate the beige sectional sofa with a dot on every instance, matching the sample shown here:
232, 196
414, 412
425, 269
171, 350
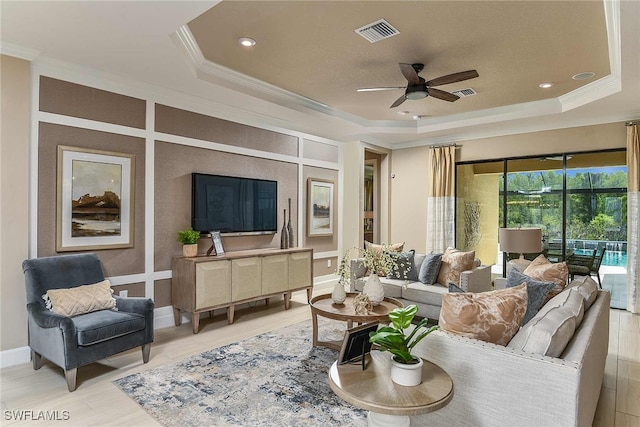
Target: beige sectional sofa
428, 298
506, 386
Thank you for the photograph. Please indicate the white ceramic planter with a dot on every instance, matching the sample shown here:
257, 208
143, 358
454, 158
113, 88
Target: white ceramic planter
373, 288
339, 294
406, 374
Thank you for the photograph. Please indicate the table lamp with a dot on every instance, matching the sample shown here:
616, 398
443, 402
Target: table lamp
522, 241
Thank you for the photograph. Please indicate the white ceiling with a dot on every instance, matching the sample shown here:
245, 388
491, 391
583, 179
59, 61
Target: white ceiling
150, 43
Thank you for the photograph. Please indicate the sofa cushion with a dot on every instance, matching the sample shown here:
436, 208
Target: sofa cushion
453, 263
426, 294
548, 333
587, 287
544, 270
570, 299
493, 316
106, 324
404, 267
536, 291
81, 299
429, 269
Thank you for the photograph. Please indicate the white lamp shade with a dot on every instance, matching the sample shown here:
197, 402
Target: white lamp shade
520, 240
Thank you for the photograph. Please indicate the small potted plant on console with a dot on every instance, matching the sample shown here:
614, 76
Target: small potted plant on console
406, 369
189, 239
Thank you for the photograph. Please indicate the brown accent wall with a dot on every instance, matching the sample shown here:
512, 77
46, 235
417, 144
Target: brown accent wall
173, 168
320, 151
115, 262
321, 243
162, 292
175, 121
135, 289
320, 267
70, 99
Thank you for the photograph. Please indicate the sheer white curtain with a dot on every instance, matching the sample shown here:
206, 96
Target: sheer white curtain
633, 218
440, 202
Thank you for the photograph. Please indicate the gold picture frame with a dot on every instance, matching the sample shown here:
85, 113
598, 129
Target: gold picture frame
319, 207
95, 199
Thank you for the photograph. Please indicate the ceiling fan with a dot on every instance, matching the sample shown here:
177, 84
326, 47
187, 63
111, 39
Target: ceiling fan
418, 88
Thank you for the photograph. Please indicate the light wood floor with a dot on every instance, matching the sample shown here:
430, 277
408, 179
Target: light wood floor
98, 402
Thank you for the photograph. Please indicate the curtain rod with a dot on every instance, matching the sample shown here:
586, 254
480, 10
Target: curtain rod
632, 122
444, 145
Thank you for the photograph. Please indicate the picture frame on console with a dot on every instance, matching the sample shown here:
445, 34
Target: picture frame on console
216, 239
319, 207
95, 199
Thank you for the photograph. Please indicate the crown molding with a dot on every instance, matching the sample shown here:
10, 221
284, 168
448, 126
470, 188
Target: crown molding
20, 52
608, 85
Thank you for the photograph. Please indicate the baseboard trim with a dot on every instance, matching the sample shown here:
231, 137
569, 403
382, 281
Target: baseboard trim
15, 356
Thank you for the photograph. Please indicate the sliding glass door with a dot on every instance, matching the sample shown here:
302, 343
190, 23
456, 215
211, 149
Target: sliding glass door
578, 200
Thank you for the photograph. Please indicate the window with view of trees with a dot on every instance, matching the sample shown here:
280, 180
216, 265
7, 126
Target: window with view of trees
579, 201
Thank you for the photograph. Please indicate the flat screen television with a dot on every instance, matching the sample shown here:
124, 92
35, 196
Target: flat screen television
233, 205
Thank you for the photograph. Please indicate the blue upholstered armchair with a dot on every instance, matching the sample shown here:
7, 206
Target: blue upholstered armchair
71, 342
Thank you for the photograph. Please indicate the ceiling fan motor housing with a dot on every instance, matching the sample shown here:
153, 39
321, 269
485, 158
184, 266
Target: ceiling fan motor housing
418, 91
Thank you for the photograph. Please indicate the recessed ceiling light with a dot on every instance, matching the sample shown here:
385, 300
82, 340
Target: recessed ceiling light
246, 41
417, 117
583, 76
403, 113
546, 85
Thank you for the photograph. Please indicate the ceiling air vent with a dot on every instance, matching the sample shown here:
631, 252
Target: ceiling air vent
377, 31
465, 92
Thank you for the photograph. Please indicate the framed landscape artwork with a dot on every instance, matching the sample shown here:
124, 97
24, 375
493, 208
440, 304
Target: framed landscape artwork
95, 199
320, 207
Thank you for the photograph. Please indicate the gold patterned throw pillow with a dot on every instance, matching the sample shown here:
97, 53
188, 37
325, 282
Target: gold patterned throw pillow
544, 270
80, 300
453, 263
493, 316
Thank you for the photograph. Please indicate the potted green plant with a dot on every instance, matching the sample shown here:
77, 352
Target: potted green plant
189, 239
406, 369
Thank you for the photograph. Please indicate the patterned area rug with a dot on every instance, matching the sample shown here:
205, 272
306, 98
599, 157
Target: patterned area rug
273, 379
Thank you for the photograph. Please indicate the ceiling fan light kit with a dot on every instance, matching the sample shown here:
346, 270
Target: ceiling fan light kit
418, 88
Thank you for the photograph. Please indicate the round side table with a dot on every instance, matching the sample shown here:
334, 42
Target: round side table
323, 306
388, 403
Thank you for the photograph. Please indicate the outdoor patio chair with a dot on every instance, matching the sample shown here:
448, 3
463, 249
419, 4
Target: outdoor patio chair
78, 337
586, 265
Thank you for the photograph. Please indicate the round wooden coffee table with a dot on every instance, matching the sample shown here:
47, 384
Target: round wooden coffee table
323, 306
388, 403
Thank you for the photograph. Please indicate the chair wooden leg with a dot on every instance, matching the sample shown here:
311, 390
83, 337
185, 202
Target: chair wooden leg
599, 282
70, 375
146, 350
36, 360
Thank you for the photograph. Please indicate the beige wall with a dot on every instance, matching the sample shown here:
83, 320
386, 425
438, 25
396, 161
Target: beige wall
409, 190
352, 195
409, 197
585, 138
14, 198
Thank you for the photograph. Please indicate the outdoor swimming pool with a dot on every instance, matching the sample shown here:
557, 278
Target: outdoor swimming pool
611, 258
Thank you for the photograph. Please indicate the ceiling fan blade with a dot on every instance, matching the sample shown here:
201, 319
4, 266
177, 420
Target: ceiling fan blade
453, 78
410, 74
373, 89
398, 101
441, 94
